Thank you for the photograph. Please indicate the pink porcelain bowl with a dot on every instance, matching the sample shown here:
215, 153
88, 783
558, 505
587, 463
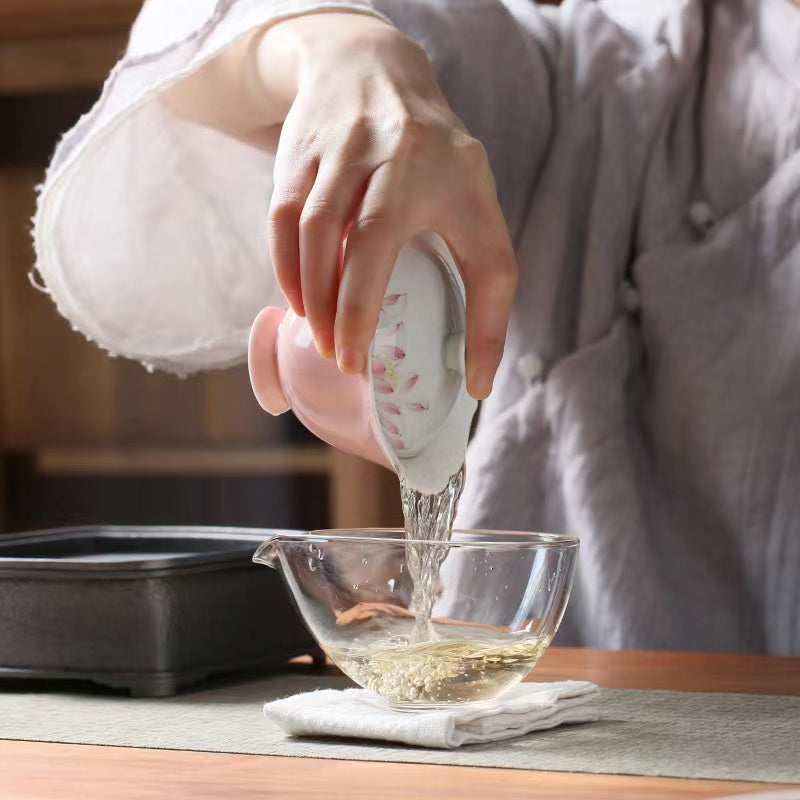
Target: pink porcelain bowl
286, 371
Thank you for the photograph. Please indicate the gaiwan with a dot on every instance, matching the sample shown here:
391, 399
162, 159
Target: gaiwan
426, 617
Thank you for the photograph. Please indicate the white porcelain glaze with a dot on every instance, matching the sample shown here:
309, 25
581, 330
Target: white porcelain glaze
410, 409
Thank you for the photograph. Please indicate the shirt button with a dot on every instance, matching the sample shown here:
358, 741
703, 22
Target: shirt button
701, 217
629, 298
530, 367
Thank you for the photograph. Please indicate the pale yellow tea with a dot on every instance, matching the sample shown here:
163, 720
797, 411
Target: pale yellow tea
442, 672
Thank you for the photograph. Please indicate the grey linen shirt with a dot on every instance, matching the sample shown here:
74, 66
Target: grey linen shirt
647, 157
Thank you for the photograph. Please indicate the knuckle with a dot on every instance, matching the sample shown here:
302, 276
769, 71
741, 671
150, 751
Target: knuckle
284, 211
294, 159
407, 132
472, 153
506, 274
360, 127
318, 214
299, 144
374, 222
412, 129
498, 276
348, 139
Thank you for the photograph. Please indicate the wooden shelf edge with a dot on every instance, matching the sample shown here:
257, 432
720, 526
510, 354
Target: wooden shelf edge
21, 19
120, 461
48, 65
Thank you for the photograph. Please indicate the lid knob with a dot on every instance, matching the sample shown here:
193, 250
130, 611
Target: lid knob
455, 357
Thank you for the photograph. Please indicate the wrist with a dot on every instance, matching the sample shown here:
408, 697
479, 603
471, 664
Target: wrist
322, 40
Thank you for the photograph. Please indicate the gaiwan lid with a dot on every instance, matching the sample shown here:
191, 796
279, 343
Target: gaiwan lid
421, 409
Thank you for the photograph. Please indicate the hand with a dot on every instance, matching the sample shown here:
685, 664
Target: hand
371, 151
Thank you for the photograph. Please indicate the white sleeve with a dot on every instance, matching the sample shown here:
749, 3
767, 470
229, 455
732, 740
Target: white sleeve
151, 231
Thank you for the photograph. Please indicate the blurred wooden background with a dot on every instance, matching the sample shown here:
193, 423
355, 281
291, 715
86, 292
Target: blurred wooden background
86, 438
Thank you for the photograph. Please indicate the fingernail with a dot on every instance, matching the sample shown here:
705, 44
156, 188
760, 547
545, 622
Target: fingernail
480, 384
350, 359
323, 348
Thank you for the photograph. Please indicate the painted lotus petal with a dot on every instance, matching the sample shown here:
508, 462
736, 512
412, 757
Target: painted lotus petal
393, 308
378, 367
416, 406
382, 386
409, 383
394, 299
391, 408
388, 334
390, 427
393, 352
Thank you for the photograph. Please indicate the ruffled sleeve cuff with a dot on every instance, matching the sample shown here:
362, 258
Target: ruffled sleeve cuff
150, 231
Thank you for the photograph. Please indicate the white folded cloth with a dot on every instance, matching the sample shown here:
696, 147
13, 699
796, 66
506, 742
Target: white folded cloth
358, 713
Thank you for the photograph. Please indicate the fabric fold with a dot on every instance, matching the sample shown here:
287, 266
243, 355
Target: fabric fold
358, 713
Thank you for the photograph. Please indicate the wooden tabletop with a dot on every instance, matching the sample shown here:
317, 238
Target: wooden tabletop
40, 771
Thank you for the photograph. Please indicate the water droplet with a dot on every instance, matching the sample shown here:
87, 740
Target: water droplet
364, 560
391, 584
311, 565
355, 586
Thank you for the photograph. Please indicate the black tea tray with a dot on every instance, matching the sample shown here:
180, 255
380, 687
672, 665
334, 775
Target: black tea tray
147, 609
